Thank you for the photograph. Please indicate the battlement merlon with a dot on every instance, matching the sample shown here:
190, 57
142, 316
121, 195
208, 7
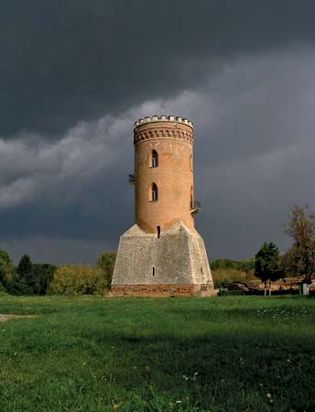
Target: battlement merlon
163, 118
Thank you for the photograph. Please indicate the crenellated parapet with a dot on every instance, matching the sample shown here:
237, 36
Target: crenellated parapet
163, 118
159, 127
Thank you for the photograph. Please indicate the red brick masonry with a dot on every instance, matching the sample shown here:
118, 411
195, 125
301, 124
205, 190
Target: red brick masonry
161, 290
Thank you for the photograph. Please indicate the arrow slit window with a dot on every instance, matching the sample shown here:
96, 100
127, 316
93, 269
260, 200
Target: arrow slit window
154, 193
154, 159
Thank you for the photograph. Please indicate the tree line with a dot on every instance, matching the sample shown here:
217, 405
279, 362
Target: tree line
29, 278
298, 260
268, 264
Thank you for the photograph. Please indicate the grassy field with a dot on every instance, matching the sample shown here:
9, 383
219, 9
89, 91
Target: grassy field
220, 354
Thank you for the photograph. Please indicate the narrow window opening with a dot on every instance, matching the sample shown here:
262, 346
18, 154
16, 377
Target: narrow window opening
153, 271
154, 194
154, 159
158, 232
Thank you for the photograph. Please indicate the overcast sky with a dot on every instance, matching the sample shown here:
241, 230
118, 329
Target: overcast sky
75, 75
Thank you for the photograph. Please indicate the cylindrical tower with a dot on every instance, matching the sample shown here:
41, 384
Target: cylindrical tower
162, 254
164, 188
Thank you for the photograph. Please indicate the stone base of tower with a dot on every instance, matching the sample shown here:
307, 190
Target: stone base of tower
175, 264
163, 290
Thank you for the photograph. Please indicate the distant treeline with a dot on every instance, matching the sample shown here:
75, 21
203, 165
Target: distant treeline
226, 264
29, 278
268, 265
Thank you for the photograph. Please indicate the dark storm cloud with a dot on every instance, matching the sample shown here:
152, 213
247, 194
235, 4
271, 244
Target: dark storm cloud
69, 187
75, 75
62, 61
254, 160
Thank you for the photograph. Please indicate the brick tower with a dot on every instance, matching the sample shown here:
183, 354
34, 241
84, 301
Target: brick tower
163, 254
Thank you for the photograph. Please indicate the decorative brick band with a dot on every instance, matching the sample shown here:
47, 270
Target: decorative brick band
162, 133
156, 290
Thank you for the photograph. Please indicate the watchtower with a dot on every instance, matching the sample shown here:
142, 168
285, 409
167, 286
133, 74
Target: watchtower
163, 254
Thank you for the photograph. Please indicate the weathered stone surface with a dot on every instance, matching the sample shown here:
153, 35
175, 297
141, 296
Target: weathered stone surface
174, 264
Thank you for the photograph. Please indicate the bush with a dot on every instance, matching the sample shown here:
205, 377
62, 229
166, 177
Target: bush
6, 269
222, 278
106, 264
78, 280
239, 265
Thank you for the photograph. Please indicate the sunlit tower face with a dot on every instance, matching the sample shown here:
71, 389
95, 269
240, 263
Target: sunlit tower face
164, 184
162, 254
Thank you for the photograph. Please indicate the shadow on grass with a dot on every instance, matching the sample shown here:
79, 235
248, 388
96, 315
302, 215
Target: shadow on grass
145, 355
228, 372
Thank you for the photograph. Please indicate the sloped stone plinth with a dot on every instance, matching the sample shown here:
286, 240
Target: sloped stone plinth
174, 264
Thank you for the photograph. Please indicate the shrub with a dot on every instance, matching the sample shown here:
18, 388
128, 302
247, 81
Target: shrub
240, 265
106, 264
6, 269
222, 278
78, 280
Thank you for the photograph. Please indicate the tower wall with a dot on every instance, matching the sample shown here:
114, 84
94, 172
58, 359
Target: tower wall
174, 264
172, 141
163, 254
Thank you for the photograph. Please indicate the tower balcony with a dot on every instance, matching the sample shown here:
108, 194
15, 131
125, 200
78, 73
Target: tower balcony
131, 179
195, 207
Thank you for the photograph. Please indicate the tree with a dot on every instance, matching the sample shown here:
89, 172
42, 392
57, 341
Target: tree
301, 255
31, 279
25, 266
23, 282
42, 275
267, 264
6, 268
287, 264
106, 263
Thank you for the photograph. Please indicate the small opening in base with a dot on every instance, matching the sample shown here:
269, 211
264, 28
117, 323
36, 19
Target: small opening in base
158, 232
153, 271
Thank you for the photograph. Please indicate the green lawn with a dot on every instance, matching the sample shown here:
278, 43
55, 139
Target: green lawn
185, 354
